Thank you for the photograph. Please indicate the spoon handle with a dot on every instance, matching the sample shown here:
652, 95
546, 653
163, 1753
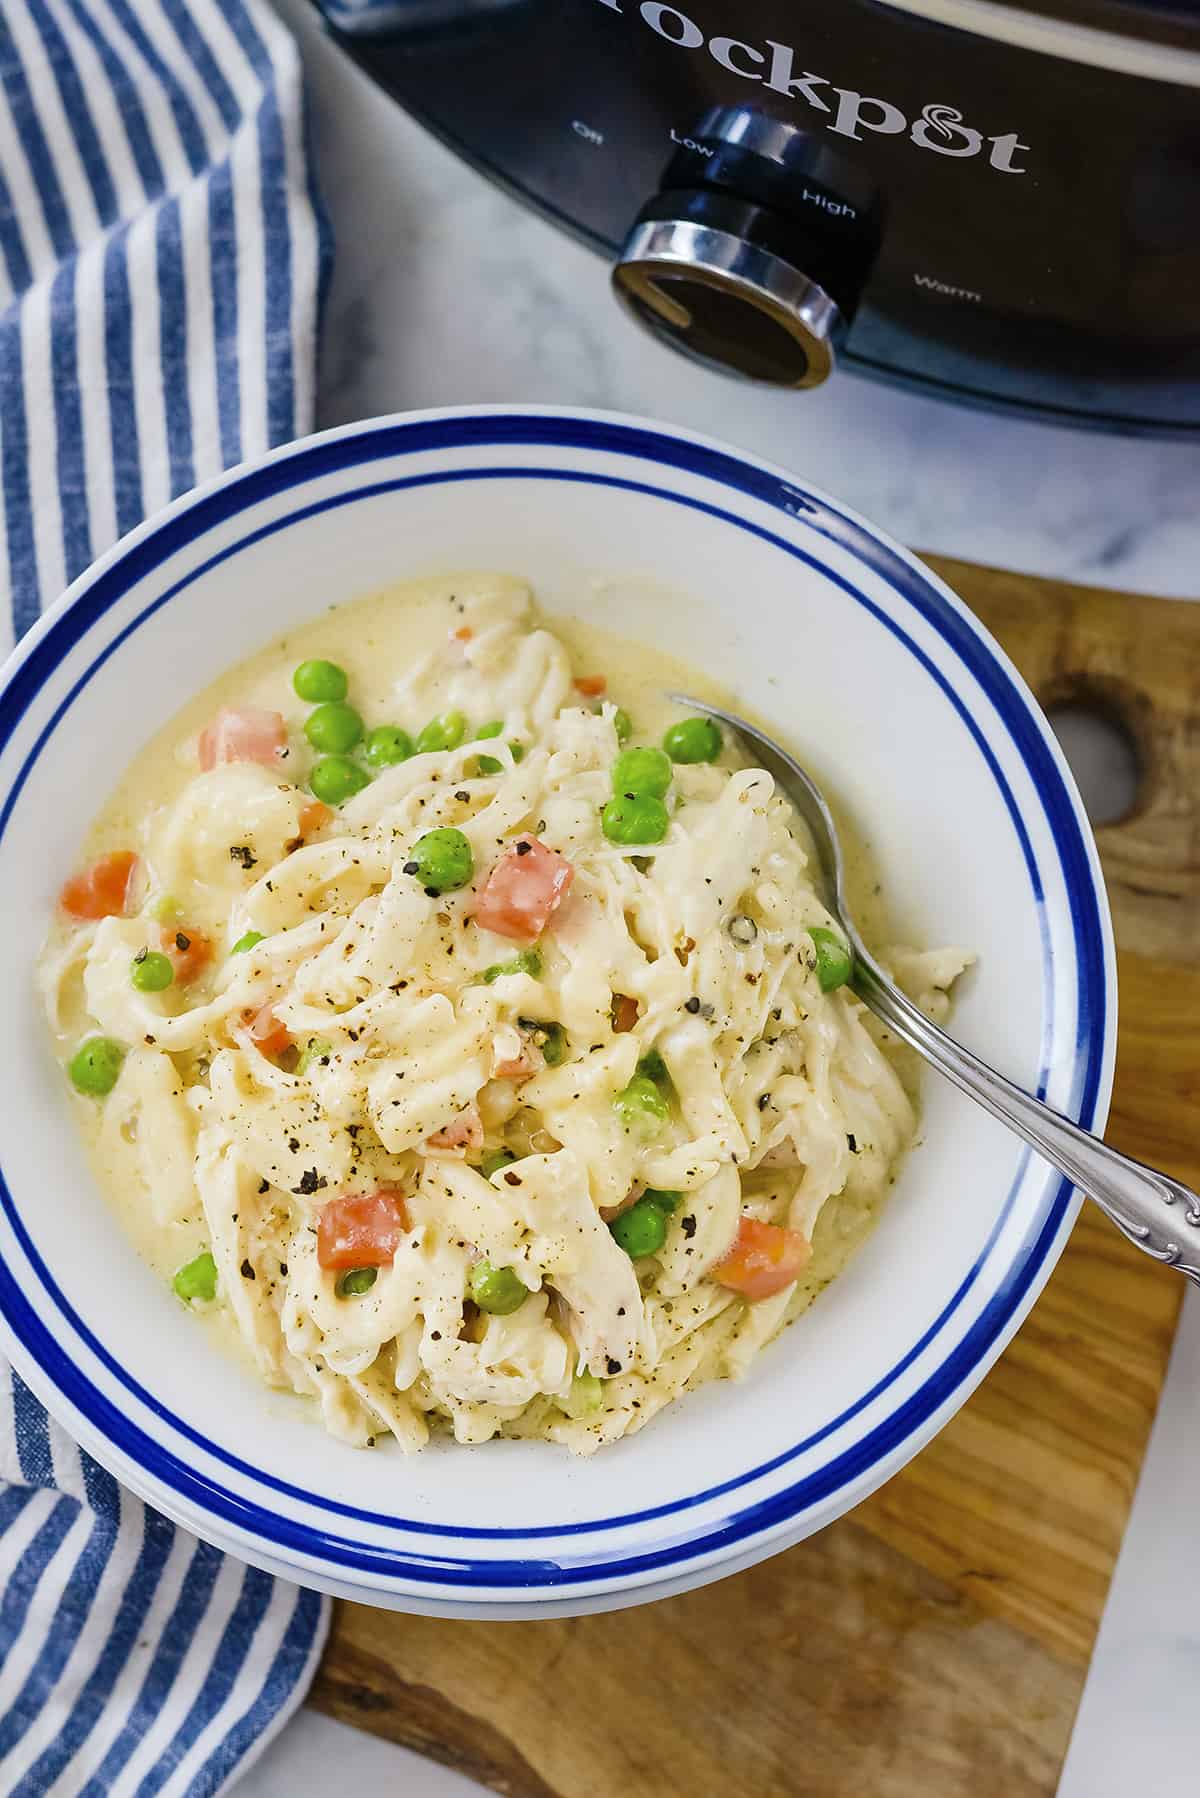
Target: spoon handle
1159, 1214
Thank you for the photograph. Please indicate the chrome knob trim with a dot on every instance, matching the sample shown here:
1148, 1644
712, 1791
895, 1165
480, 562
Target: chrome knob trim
741, 270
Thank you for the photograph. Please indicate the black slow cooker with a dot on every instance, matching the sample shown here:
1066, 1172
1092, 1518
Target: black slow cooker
997, 203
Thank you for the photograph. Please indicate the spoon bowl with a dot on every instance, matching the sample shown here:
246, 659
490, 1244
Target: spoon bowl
1158, 1213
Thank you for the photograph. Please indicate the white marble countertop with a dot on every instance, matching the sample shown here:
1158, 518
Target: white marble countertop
445, 292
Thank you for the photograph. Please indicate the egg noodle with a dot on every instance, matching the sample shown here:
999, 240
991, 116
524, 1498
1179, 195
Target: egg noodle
416, 1147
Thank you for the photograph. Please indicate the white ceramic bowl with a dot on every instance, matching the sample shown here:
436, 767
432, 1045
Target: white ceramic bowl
892, 690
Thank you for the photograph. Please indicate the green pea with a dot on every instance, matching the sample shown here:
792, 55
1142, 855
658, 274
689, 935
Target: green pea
441, 860
336, 778
653, 1067
334, 729
527, 962
386, 745
315, 1049
693, 740
151, 972
551, 1039
491, 1164
197, 1279
585, 1398
251, 940
640, 1106
642, 819
320, 681
496, 1289
444, 732
94, 1067
641, 1230
352, 1285
666, 1201
834, 962
488, 763
637, 772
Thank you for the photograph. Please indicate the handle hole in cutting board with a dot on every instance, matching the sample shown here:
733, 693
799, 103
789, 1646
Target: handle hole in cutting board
1103, 752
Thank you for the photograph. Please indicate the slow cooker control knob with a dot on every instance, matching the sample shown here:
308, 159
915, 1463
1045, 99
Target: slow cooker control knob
754, 252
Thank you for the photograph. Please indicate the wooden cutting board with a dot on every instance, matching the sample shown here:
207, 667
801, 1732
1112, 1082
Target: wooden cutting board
932, 1644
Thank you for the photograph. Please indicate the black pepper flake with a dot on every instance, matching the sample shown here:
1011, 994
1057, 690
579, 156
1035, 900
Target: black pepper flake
151, 1040
310, 1182
264, 1186
241, 852
613, 1365
294, 1144
692, 1005
462, 796
182, 943
432, 893
283, 1269
851, 1143
142, 953
247, 1271
412, 867
512, 1179
524, 847
620, 1310
764, 1099
688, 1226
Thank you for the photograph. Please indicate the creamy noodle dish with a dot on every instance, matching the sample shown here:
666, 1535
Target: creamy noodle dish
474, 1049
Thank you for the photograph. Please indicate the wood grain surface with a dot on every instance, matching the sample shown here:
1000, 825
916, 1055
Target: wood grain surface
932, 1644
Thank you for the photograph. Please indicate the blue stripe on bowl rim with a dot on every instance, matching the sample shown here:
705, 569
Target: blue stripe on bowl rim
357, 446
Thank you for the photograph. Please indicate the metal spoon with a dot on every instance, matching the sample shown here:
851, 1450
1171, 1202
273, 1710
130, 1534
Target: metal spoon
1159, 1214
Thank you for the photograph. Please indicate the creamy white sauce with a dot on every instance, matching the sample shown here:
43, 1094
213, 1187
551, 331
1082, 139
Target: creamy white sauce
377, 640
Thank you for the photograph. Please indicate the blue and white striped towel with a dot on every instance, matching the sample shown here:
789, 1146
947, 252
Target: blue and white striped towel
161, 257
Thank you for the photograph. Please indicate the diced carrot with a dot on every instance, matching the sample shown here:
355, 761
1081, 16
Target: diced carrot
361, 1229
314, 817
520, 1067
189, 950
624, 1013
763, 1260
524, 890
267, 1032
463, 634
246, 733
592, 685
463, 1132
103, 890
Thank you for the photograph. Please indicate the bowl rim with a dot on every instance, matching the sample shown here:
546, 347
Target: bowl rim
825, 1491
